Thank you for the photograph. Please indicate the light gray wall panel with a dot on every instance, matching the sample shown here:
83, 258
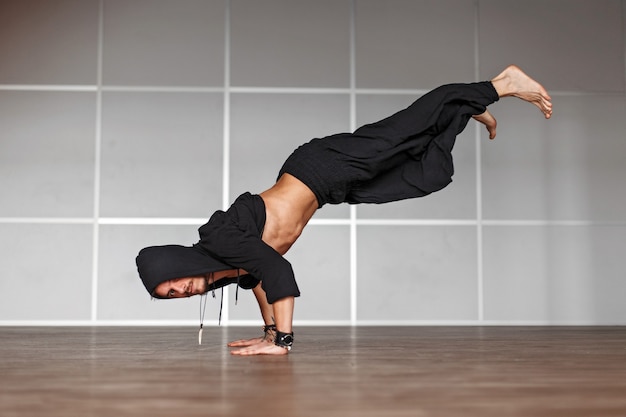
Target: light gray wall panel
121, 294
571, 45
290, 43
47, 145
570, 167
414, 44
266, 128
456, 201
46, 271
410, 273
164, 43
607, 254
320, 260
48, 42
555, 274
170, 109
161, 154
245, 308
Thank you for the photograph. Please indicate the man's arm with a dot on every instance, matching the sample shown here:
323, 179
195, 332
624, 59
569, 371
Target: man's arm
266, 308
267, 311
279, 313
226, 237
283, 313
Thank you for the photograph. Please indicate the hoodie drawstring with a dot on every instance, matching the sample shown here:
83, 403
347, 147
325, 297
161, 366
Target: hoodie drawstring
203, 306
202, 310
237, 290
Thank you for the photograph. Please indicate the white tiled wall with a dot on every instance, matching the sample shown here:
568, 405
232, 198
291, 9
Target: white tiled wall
125, 124
156, 148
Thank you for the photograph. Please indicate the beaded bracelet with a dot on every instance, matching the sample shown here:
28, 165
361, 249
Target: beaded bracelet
269, 332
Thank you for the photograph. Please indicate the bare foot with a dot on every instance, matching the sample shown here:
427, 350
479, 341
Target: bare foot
514, 82
261, 348
489, 121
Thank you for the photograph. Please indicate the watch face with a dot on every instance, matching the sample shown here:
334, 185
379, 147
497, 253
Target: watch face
287, 339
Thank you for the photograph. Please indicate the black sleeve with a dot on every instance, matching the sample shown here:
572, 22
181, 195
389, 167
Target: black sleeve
223, 238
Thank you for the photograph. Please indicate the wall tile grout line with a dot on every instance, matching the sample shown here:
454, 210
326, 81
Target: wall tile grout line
624, 39
44, 87
226, 136
353, 209
97, 167
479, 178
306, 323
173, 221
264, 90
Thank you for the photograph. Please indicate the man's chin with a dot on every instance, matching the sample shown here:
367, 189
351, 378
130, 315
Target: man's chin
203, 286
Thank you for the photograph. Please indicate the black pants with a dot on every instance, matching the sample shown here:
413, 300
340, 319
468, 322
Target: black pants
406, 155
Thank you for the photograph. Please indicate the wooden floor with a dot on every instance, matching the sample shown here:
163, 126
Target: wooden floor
338, 371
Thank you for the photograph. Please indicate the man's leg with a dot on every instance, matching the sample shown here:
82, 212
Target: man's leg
427, 165
414, 127
409, 154
489, 121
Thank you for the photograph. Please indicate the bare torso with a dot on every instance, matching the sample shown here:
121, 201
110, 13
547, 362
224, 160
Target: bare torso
289, 206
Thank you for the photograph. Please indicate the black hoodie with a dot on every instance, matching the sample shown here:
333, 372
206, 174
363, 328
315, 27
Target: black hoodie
230, 239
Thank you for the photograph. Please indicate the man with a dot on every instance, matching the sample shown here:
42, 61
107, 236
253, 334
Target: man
406, 155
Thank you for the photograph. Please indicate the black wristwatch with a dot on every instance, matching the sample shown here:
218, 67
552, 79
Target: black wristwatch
284, 340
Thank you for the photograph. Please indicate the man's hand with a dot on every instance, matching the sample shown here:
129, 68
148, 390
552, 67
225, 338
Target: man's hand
246, 342
264, 347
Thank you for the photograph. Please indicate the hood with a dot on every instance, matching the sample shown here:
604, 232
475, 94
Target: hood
157, 264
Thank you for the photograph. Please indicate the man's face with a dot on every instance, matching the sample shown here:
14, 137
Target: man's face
182, 287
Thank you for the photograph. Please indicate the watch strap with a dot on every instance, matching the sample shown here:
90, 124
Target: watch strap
284, 340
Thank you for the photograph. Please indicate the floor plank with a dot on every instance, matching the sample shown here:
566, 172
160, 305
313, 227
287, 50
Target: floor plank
336, 371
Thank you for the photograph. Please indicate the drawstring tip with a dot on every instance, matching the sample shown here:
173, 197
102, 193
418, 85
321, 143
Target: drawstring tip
202, 310
237, 288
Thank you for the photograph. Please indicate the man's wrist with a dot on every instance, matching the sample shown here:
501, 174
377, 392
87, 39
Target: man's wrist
269, 332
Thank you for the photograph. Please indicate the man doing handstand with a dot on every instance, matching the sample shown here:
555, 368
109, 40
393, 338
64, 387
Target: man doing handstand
406, 155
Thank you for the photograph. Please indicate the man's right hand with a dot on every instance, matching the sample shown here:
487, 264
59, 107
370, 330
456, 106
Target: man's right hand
246, 342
